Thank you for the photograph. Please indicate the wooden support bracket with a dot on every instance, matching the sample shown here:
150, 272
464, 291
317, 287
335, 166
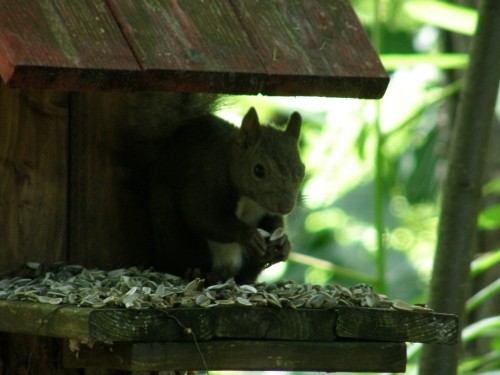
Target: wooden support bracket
240, 355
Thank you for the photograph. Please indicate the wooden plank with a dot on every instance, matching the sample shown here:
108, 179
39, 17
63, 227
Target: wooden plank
33, 177
275, 324
122, 325
115, 325
314, 47
44, 319
388, 325
296, 47
63, 44
265, 323
188, 46
109, 222
110, 325
242, 355
309, 48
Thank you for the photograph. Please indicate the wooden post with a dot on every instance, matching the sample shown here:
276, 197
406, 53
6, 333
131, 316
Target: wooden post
33, 205
33, 176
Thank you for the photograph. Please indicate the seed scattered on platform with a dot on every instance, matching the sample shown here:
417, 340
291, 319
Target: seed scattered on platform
137, 289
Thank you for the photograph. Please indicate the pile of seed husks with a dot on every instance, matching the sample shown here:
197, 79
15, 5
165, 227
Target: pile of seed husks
141, 289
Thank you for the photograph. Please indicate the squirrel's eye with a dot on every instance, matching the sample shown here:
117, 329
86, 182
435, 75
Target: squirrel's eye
259, 171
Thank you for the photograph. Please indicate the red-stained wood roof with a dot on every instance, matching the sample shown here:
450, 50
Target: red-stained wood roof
274, 47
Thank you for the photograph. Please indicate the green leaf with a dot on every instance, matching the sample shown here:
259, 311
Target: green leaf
484, 294
433, 97
477, 329
444, 15
360, 142
485, 262
440, 60
492, 187
480, 364
489, 218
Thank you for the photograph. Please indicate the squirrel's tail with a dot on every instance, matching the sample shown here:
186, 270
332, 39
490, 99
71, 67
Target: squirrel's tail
159, 114
152, 118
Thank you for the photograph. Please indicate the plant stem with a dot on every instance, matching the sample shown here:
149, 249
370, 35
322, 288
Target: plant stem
378, 205
330, 267
378, 193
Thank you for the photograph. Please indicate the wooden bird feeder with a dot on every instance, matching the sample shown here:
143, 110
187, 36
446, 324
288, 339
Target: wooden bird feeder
73, 72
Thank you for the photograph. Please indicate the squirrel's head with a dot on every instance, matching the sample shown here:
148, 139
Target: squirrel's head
266, 164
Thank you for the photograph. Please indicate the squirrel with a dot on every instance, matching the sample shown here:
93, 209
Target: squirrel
214, 187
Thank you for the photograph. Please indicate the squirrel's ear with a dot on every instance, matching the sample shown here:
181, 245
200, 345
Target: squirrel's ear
293, 127
250, 127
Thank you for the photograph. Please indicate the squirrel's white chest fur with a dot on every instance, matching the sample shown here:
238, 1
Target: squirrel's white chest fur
249, 211
229, 256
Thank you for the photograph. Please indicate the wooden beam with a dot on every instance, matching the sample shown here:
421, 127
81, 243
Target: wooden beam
212, 323
28, 354
44, 319
240, 355
122, 325
388, 325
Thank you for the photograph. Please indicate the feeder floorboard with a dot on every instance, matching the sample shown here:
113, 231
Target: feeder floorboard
230, 337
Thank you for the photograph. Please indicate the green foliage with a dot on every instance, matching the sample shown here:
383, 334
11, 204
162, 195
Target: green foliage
489, 218
487, 328
485, 262
393, 61
444, 15
490, 291
369, 207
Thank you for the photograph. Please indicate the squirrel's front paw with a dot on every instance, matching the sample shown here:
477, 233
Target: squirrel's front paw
257, 246
278, 247
281, 249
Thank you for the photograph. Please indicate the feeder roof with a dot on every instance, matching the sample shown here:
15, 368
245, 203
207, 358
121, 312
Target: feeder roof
293, 47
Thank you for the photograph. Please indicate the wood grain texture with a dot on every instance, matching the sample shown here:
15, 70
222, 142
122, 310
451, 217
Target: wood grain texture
33, 177
242, 355
107, 326
315, 47
28, 354
44, 319
122, 325
376, 324
190, 45
295, 47
108, 223
275, 324
222, 323
64, 45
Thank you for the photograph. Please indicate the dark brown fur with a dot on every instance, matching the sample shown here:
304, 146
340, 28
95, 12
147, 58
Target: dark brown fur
207, 166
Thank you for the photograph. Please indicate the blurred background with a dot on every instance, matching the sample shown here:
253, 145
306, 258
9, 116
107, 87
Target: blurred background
369, 206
